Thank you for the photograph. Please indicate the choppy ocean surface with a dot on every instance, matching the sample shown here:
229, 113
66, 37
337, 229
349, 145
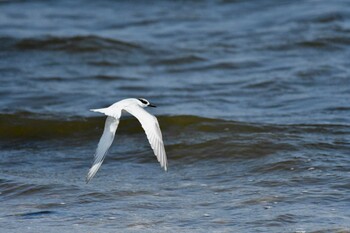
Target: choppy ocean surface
253, 101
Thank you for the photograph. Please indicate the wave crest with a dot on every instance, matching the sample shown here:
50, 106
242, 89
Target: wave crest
75, 44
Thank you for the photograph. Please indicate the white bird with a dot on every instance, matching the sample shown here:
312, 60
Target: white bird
148, 122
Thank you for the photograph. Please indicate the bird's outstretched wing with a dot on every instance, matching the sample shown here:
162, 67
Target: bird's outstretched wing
151, 126
105, 142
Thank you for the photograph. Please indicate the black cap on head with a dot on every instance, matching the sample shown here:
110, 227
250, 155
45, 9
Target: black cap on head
143, 101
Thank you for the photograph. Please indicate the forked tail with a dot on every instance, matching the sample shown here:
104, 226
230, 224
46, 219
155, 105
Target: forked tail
101, 110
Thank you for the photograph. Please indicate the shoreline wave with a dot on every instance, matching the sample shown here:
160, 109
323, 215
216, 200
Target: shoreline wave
24, 125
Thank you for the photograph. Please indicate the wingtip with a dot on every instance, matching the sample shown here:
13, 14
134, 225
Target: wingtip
87, 179
90, 175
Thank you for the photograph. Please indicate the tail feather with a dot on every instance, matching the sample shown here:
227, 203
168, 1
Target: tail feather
108, 112
101, 110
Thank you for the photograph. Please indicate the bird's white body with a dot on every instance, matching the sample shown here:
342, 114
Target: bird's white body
148, 122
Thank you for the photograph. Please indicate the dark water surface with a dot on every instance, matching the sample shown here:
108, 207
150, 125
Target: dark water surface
253, 100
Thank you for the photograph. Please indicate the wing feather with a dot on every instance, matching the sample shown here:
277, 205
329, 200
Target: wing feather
154, 135
104, 144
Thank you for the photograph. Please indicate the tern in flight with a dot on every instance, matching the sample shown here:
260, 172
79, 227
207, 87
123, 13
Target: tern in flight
149, 124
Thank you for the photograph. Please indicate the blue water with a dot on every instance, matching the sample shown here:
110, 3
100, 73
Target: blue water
253, 101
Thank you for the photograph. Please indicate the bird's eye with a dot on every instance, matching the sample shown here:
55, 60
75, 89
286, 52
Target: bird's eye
143, 101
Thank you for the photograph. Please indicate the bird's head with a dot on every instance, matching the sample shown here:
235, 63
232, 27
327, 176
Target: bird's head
145, 103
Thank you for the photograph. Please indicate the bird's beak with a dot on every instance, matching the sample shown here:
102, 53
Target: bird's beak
151, 105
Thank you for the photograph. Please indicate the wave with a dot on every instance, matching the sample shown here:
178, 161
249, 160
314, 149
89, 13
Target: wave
73, 44
32, 126
23, 125
333, 42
